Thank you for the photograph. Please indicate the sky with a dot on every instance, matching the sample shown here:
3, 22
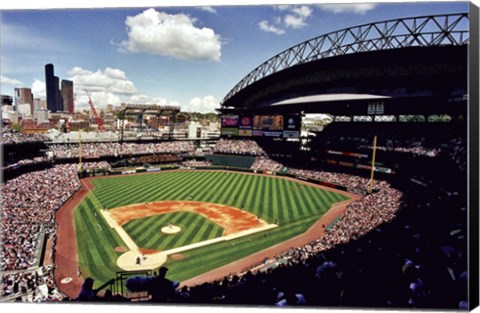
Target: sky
165, 53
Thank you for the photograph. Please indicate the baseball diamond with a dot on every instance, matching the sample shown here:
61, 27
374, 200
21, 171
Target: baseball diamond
338, 172
223, 216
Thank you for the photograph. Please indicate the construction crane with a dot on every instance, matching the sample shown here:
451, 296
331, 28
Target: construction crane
98, 120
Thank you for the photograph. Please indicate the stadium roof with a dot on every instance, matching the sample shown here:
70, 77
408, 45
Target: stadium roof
409, 34
329, 98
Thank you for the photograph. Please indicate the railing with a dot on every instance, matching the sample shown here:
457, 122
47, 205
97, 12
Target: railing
119, 286
423, 31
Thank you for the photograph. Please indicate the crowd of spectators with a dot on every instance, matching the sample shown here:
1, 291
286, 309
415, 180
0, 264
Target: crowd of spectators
363, 216
11, 136
266, 164
28, 203
96, 165
19, 163
36, 285
120, 149
457, 150
371, 264
241, 147
341, 179
414, 149
195, 163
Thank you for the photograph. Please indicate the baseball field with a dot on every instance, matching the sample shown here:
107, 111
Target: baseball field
254, 211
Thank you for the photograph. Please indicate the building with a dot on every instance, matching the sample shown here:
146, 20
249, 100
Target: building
23, 96
67, 96
42, 116
9, 114
24, 110
58, 95
194, 130
7, 100
52, 87
37, 105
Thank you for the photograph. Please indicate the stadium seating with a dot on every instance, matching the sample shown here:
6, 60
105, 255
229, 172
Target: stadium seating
381, 239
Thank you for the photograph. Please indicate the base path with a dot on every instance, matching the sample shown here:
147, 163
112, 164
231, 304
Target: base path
66, 256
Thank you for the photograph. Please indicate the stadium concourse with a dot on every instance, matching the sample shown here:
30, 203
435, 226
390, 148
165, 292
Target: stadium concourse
379, 240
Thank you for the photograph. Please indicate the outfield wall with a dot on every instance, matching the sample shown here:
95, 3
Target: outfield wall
231, 160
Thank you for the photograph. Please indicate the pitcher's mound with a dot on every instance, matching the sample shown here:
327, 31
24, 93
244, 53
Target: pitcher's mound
171, 229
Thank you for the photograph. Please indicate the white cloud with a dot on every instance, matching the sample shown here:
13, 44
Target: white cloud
295, 17
115, 73
298, 16
39, 89
112, 86
172, 35
109, 81
357, 8
10, 81
99, 98
197, 104
265, 26
302, 11
203, 105
108, 86
144, 99
283, 7
208, 9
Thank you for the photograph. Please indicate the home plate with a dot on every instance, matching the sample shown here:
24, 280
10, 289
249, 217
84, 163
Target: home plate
135, 260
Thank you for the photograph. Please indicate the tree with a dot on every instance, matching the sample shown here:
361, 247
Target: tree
17, 128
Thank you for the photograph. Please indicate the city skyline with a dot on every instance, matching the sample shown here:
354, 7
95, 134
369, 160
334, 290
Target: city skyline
190, 56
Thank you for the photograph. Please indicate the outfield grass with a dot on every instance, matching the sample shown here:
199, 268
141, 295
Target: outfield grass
292, 205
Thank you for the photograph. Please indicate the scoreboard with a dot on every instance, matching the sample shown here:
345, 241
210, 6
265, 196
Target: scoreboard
268, 122
266, 125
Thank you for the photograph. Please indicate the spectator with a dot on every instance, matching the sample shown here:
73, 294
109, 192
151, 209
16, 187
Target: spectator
87, 293
162, 289
10, 136
120, 149
243, 147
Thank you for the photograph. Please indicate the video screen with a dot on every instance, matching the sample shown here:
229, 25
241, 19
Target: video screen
229, 120
266, 125
268, 122
245, 122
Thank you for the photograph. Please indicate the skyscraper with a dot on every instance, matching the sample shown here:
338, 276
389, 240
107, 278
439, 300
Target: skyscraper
36, 107
58, 95
23, 96
54, 103
67, 95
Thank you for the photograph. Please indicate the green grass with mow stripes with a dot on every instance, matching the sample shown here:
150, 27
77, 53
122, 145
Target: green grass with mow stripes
97, 242
291, 204
146, 232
